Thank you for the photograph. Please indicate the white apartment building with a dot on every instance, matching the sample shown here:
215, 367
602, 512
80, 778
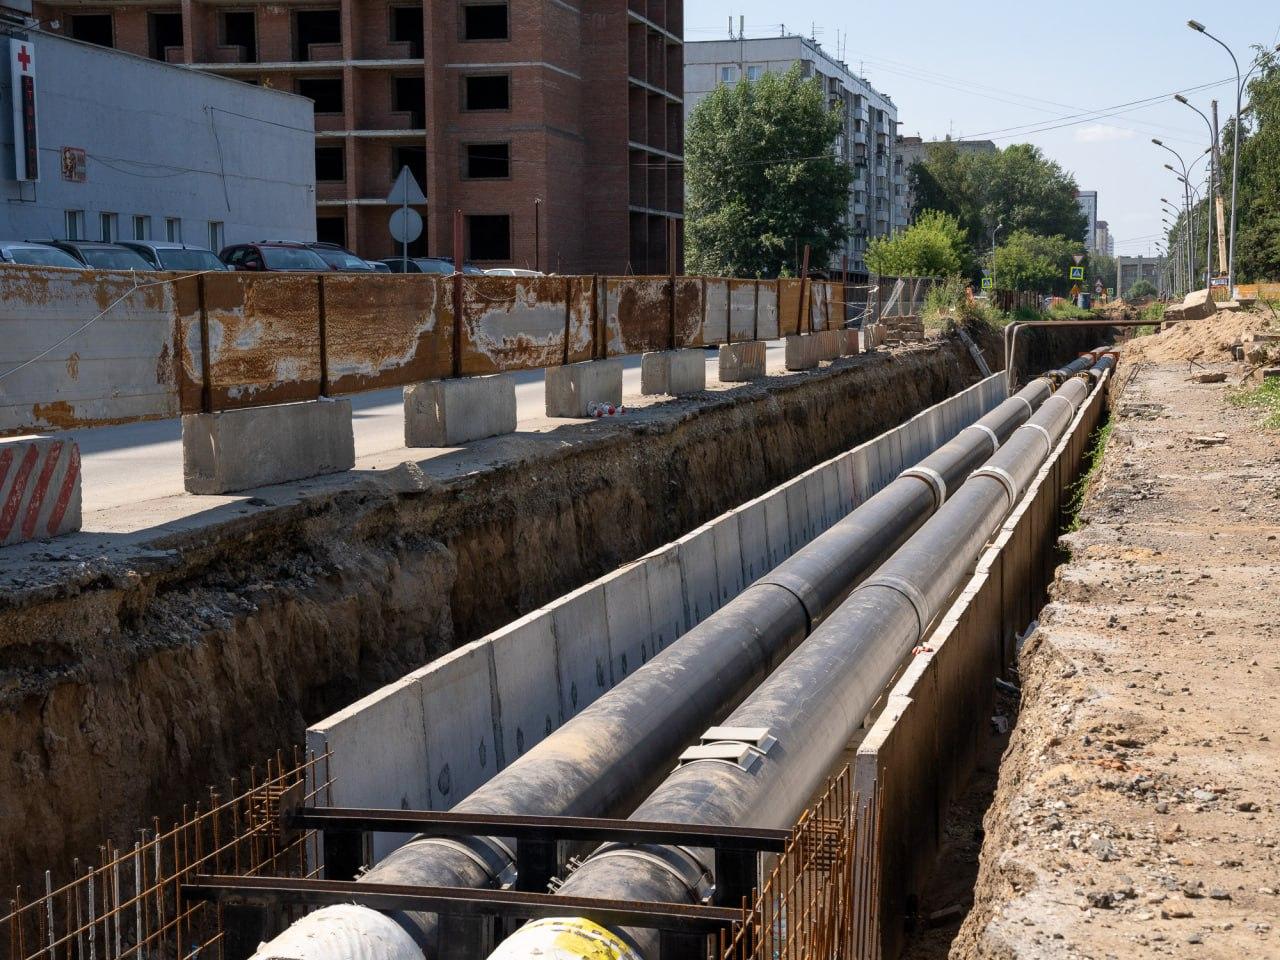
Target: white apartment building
877, 199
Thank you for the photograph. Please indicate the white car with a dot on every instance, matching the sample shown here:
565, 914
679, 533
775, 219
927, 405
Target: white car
513, 272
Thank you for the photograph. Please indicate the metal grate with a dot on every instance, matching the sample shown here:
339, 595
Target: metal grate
814, 905
129, 906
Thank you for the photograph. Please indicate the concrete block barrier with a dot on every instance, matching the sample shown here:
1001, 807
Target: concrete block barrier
445, 413
39, 488
802, 352
673, 372
850, 342
740, 362
830, 346
258, 446
572, 389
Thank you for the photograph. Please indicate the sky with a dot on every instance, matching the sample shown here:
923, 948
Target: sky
1067, 77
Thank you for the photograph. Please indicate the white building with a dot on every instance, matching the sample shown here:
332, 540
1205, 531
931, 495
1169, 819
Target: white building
120, 147
877, 199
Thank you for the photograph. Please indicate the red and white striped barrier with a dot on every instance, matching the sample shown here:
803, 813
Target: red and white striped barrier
39, 488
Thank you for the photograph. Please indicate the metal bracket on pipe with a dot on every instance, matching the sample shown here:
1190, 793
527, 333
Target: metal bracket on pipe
933, 478
743, 747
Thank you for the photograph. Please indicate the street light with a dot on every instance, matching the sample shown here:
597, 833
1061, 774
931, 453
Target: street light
1213, 164
1191, 217
998, 227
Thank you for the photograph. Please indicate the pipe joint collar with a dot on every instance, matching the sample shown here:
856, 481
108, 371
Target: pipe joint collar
1048, 440
1001, 476
991, 435
910, 592
677, 861
934, 479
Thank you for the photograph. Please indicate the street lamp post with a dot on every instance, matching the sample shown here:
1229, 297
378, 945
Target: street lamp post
994, 230
1213, 165
1185, 174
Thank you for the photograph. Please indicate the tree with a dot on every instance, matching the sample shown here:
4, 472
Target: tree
1140, 290
1258, 206
762, 177
934, 246
1028, 261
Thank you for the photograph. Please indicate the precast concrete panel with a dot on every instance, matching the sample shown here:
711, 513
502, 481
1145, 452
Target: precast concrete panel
715, 327
753, 535
458, 715
665, 585
699, 576
728, 544
581, 627
626, 601
528, 682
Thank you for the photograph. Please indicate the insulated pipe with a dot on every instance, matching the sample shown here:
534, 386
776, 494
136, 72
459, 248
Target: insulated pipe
613, 753
813, 703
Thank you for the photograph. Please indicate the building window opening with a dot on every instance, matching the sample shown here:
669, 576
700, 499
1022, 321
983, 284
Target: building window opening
409, 95
316, 27
488, 161
492, 92
755, 72
109, 227
141, 227
485, 21
325, 91
406, 27
489, 238
331, 164
332, 230
173, 229
73, 224
240, 29
93, 28
164, 33
216, 235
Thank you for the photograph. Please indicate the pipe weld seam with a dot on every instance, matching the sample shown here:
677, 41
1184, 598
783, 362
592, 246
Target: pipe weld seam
991, 434
1003, 477
1047, 438
933, 478
910, 592
676, 861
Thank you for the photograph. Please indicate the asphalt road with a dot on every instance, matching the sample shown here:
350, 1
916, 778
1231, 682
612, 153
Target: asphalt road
143, 461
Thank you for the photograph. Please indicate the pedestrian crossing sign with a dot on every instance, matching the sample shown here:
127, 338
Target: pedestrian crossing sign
988, 283
1077, 273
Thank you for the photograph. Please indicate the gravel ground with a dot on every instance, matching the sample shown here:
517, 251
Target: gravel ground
1138, 806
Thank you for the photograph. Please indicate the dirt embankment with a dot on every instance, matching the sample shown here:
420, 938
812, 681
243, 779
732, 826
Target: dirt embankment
126, 688
1136, 813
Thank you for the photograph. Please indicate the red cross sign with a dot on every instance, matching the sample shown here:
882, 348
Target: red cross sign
24, 58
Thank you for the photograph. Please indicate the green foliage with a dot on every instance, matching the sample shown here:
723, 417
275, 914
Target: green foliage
1265, 398
1141, 289
1028, 261
1017, 188
1093, 459
948, 304
1153, 312
762, 178
934, 246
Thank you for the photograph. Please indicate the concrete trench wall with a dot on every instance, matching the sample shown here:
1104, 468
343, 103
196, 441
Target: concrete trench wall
919, 753
431, 737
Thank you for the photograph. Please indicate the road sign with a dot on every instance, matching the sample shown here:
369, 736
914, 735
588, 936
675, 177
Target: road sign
1111, 291
1097, 287
405, 190
988, 283
1077, 273
406, 225
1078, 258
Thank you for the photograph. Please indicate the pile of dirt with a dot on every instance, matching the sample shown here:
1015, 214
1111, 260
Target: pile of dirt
1211, 340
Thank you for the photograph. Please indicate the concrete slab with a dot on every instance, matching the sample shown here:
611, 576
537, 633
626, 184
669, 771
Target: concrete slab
581, 626
261, 446
698, 574
673, 372
446, 413
665, 588
458, 719
753, 536
572, 389
528, 683
728, 545
740, 362
829, 344
39, 488
626, 604
801, 528
850, 342
777, 527
802, 352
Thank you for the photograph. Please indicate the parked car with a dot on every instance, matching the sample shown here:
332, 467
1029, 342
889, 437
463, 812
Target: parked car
514, 272
429, 265
273, 256
102, 255
175, 256
36, 254
379, 266
340, 258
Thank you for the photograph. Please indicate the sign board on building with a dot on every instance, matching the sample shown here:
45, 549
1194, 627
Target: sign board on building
22, 74
74, 164
1218, 281
1077, 273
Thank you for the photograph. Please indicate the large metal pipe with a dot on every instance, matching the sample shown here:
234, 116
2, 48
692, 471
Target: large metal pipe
607, 758
811, 705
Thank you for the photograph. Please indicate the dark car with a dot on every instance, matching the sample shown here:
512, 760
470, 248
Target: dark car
102, 255
441, 265
36, 254
273, 256
175, 256
340, 258
379, 266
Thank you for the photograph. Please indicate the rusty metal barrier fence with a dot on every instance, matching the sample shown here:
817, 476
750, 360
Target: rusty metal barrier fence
128, 906
86, 348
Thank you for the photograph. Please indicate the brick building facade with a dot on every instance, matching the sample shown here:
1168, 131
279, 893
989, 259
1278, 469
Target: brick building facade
563, 113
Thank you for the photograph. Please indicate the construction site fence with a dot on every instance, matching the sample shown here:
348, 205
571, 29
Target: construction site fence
85, 348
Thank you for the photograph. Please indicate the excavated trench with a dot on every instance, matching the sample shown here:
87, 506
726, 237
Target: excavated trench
126, 689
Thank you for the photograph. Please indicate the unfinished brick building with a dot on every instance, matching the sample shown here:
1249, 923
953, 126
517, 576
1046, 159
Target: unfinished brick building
566, 114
